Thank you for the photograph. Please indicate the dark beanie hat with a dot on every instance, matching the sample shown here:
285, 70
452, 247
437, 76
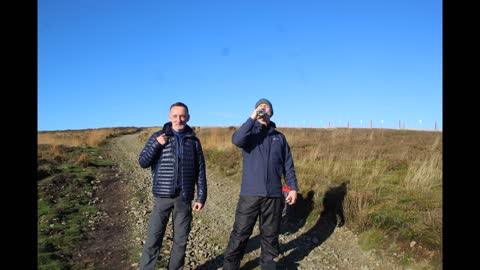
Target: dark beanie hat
264, 101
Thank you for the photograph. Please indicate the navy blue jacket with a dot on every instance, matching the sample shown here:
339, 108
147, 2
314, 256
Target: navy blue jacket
163, 162
266, 157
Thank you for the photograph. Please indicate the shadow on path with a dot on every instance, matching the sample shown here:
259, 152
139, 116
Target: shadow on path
297, 216
321, 231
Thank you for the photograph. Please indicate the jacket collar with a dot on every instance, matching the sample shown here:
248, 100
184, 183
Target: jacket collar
270, 127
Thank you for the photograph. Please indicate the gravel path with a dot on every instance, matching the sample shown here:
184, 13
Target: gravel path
321, 247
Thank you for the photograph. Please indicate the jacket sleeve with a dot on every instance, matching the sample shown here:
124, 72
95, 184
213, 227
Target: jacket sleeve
240, 137
290, 175
149, 152
202, 176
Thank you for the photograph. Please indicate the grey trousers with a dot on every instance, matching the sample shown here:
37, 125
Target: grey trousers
182, 220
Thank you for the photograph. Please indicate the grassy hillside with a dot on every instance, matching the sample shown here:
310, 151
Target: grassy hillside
68, 164
394, 198
395, 181
90, 137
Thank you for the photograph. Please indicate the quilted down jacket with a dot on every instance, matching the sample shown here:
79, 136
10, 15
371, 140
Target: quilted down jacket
163, 162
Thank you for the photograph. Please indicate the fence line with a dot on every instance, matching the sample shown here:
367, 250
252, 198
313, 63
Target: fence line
402, 124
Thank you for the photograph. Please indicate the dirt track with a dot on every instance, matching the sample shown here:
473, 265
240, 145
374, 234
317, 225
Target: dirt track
321, 246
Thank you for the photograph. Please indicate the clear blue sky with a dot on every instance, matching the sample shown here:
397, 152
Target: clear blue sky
123, 63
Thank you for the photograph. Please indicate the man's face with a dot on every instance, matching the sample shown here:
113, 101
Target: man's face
179, 117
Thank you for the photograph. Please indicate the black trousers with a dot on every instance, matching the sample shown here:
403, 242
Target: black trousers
249, 208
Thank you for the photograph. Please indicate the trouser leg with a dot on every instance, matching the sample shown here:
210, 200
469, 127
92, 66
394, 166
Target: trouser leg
270, 216
182, 220
246, 214
156, 230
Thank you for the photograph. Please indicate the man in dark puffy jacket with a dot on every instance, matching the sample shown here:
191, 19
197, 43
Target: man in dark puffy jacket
174, 155
266, 157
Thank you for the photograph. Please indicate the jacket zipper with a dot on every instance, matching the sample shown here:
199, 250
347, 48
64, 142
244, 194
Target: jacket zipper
268, 160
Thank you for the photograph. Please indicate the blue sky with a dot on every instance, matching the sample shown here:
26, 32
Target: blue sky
123, 63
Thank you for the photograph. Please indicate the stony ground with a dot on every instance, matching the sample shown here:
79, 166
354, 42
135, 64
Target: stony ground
127, 202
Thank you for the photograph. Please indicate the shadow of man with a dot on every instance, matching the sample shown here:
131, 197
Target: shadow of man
323, 228
297, 214
296, 219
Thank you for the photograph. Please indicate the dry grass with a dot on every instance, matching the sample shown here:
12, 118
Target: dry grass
90, 137
212, 138
55, 153
357, 203
83, 160
145, 134
423, 174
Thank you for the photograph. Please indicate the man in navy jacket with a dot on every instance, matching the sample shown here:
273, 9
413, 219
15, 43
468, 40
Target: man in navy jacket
175, 158
266, 158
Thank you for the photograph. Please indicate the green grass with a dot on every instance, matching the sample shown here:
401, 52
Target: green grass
63, 208
371, 239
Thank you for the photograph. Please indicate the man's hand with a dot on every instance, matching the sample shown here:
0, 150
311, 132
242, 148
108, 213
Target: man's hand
255, 113
197, 206
162, 139
292, 197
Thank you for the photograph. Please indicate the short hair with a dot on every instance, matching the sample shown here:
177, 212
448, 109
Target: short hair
181, 104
